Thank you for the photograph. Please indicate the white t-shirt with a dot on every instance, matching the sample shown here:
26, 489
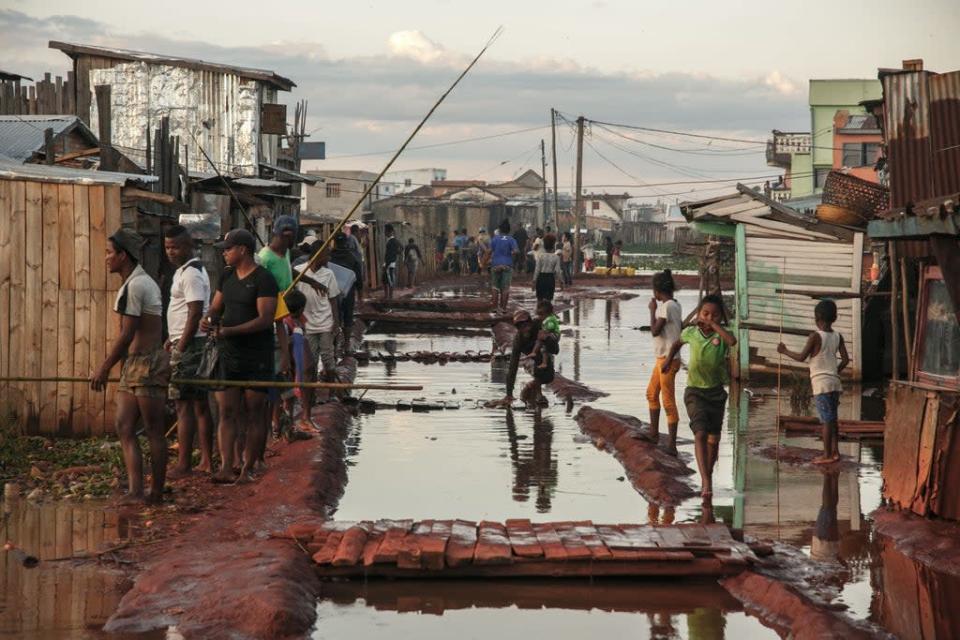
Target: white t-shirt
671, 312
138, 296
318, 312
190, 284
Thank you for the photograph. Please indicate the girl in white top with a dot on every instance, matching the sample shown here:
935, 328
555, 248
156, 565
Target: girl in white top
821, 348
666, 318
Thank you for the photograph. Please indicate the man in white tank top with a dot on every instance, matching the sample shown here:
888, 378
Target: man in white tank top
821, 349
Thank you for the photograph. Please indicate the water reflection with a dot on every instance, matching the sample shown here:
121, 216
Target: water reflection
534, 466
568, 608
60, 597
825, 545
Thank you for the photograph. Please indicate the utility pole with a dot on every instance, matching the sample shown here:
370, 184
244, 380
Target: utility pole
556, 198
543, 163
578, 197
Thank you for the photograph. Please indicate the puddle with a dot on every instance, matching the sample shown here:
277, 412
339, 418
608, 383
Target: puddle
59, 597
556, 609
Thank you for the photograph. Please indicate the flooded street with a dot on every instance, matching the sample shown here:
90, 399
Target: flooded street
477, 463
474, 463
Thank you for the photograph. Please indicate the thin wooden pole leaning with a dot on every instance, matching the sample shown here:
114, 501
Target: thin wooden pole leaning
783, 277
281, 305
246, 384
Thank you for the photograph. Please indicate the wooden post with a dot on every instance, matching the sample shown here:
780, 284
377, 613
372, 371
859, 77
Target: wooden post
907, 330
107, 159
578, 198
556, 197
543, 163
48, 151
894, 292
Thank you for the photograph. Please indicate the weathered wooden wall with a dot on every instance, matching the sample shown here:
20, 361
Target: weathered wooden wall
56, 301
45, 97
810, 265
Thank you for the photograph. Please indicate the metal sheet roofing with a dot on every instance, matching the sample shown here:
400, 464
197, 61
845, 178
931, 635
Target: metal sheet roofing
263, 75
22, 136
47, 173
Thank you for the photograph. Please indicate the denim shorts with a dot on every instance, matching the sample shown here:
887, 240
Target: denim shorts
827, 405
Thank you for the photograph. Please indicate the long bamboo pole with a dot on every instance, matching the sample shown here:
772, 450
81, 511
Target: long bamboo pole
247, 384
281, 306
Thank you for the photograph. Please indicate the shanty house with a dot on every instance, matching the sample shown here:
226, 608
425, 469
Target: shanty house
231, 111
56, 297
919, 115
785, 262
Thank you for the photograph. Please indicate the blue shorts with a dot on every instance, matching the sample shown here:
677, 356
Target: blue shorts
827, 405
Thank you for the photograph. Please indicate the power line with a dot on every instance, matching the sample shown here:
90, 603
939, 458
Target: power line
446, 144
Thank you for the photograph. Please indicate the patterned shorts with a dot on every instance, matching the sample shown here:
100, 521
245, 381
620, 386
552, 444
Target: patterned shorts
184, 365
145, 375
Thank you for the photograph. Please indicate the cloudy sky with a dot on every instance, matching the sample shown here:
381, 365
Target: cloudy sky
369, 70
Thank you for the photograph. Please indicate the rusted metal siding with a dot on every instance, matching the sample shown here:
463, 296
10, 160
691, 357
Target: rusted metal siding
921, 462
945, 131
907, 128
922, 128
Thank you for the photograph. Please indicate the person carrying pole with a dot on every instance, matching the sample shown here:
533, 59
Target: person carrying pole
145, 374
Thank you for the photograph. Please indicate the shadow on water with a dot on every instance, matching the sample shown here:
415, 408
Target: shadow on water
67, 594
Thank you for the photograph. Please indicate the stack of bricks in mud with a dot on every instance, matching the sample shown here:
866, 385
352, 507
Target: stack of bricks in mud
519, 548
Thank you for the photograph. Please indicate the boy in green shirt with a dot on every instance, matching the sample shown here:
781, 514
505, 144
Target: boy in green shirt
705, 397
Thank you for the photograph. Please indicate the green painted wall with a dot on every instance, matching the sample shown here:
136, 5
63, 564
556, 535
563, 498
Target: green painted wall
826, 97
801, 170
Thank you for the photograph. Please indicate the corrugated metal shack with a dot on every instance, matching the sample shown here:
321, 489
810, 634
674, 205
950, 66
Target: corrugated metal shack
230, 109
780, 249
55, 294
921, 123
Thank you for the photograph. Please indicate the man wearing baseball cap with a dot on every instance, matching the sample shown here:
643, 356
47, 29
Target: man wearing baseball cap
242, 317
145, 374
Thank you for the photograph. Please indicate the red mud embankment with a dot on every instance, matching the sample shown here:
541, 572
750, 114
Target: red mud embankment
786, 611
655, 474
934, 543
226, 577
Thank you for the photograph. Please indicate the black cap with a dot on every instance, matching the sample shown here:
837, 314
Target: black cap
130, 241
238, 237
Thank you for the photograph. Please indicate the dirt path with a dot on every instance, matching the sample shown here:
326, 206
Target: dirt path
226, 577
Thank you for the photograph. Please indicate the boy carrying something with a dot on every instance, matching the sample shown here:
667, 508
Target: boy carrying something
549, 324
705, 397
821, 348
304, 365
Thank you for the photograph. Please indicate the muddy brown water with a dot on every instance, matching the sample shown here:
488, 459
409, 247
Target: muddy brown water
476, 463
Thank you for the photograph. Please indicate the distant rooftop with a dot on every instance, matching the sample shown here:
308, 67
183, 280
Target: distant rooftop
263, 75
22, 136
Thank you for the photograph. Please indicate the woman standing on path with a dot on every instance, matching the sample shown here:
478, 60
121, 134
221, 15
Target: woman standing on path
566, 258
547, 269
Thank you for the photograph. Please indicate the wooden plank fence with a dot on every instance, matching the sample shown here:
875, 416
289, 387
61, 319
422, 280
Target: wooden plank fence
55, 301
50, 96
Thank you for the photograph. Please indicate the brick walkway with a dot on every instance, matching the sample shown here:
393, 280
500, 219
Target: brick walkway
519, 548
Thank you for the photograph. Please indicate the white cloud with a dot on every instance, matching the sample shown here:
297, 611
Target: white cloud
415, 46
780, 83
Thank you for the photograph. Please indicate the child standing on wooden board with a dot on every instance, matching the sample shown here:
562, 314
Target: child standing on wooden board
705, 396
821, 348
666, 320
